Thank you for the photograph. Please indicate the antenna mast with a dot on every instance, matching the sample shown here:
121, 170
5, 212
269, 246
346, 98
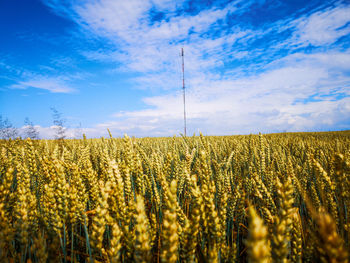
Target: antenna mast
183, 87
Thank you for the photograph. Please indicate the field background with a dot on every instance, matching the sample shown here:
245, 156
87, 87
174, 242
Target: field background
257, 198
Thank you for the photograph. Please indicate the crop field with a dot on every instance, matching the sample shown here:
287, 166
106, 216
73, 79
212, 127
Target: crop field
255, 198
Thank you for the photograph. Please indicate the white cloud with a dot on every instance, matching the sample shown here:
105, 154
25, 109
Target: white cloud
323, 27
70, 133
54, 85
296, 92
167, 5
112, 17
145, 46
281, 99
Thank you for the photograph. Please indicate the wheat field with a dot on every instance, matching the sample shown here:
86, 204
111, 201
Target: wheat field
255, 198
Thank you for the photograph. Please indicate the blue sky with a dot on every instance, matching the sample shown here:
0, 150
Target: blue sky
251, 66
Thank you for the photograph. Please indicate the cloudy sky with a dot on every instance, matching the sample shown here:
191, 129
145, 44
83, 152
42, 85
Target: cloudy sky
250, 66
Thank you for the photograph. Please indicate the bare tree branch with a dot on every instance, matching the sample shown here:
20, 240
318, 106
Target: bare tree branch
29, 130
7, 130
58, 121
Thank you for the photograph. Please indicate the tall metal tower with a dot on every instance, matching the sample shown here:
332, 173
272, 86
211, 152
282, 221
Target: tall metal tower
183, 88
